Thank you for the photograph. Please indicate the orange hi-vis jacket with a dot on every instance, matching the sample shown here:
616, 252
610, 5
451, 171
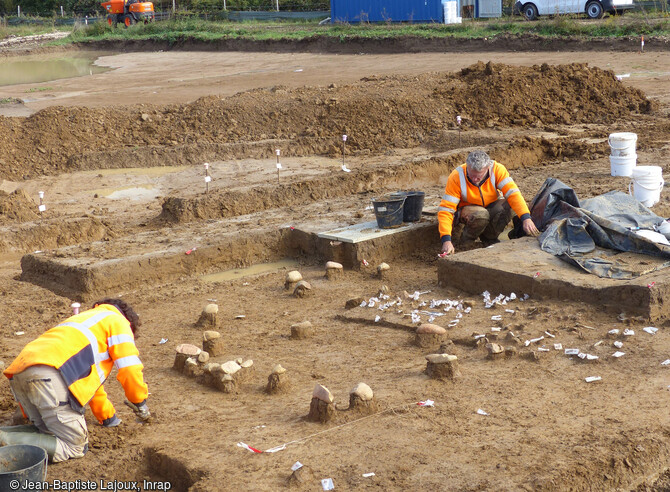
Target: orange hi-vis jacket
84, 348
460, 192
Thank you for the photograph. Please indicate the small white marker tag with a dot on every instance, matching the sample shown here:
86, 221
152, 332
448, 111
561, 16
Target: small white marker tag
628, 333
42, 208
279, 165
296, 466
327, 484
381, 209
615, 331
571, 351
368, 475
558, 346
208, 179
666, 363
481, 412
618, 354
618, 344
591, 379
650, 329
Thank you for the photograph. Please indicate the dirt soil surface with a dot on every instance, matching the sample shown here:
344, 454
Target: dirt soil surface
119, 157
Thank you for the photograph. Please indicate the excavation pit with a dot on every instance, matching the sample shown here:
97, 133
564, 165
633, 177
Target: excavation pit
521, 267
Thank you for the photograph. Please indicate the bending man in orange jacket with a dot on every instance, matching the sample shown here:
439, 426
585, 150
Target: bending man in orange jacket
57, 374
481, 195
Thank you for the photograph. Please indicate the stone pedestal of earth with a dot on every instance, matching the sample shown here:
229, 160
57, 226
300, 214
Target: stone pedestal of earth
302, 330
442, 366
278, 381
361, 399
208, 318
182, 353
429, 335
383, 270
292, 278
321, 408
302, 289
213, 343
333, 270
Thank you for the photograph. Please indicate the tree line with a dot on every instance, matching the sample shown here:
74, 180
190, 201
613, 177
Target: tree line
46, 8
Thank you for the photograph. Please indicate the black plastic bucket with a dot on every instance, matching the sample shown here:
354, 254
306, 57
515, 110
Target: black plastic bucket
389, 211
22, 462
413, 204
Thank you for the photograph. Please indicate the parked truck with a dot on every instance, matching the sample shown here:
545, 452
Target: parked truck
128, 12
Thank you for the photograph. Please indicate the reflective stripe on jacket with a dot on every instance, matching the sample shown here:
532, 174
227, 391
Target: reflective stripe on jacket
460, 192
84, 348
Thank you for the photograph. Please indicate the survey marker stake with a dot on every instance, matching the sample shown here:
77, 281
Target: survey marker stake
458, 123
208, 178
278, 152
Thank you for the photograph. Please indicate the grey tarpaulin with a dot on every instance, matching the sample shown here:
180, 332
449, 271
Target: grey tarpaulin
576, 231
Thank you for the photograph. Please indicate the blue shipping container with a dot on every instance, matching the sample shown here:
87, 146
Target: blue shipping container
386, 11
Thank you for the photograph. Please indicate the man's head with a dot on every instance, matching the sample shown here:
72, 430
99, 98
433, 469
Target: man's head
478, 164
130, 314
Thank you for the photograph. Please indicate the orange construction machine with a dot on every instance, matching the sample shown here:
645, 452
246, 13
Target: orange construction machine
128, 12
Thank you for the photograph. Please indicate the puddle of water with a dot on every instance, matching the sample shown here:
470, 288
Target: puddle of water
252, 270
137, 192
31, 70
140, 171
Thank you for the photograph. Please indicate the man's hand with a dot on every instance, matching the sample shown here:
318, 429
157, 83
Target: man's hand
141, 410
448, 247
529, 228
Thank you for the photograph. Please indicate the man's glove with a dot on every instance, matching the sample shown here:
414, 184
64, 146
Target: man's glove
141, 410
112, 421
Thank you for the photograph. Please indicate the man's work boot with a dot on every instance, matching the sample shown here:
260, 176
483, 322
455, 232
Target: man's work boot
44, 441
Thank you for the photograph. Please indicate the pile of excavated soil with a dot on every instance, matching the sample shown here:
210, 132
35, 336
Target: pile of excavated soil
17, 207
378, 113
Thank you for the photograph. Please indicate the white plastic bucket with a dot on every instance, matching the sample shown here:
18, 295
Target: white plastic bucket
647, 184
622, 144
622, 166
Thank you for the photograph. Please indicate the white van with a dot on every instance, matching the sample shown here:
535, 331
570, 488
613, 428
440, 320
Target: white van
594, 9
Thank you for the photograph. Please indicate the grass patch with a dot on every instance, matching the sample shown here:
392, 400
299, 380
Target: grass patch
39, 89
10, 100
187, 27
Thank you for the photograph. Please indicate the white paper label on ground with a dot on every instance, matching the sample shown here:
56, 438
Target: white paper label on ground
368, 475
19, 333
526, 343
615, 331
495, 328
628, 333
542, 349
558, 346
496, 317
666, 363
618, 354
347, 170
208, 179
581, 355
42, 208
327, 484
511, 311
650, 329
618, 344
481, 412
427, 403
591, 379
591, 357
296, 466
377, 318
571, 351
